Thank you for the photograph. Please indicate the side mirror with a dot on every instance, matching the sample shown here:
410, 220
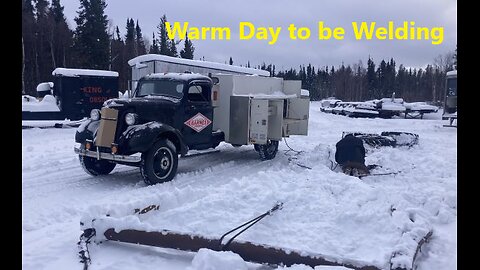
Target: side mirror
215, 80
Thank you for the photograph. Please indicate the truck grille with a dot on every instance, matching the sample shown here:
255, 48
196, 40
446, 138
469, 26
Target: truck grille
108, 126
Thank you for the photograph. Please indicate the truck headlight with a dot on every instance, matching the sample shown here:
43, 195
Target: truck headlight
131, 118
95, 114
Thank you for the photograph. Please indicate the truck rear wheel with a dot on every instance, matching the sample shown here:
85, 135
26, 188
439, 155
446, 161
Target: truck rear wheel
267, 151
96, 167
160, 163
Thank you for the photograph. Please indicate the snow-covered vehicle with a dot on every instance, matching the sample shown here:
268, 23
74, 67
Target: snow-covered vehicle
418, 109
389, 107
450, 103
360, 109
328, 104
72, 94
172, 113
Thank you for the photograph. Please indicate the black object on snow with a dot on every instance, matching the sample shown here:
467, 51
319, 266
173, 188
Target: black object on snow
386, 138
350, 149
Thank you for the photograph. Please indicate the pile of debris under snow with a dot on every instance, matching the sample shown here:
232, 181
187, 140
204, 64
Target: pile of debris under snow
384, 108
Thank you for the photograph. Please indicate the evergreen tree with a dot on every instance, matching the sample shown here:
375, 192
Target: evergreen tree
455, 58
173, 48
28, 48
371, 79
117, 31
130, 45
43, 41
141, 50
119, 61
188, 50
92, 40
154, 49
230, 61
165, 47
62, 36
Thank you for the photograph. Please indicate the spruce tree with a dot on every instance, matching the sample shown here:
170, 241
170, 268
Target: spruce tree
371, 79
188, 50
43, 40
154, 49
130, 46
141, 50
62, 36
91, 37
28, 48
172, 48
162, 37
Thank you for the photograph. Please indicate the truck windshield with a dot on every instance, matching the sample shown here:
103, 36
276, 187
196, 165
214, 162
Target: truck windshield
161, 88
451, 86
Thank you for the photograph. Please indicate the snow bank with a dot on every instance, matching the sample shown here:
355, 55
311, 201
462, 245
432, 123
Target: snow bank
325, 211
32, 104
420, 106
207, 259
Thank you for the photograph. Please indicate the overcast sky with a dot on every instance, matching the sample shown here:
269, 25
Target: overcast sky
288, 53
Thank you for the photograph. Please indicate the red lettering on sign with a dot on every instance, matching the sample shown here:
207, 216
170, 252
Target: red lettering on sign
198, 122
98, 99
92, 89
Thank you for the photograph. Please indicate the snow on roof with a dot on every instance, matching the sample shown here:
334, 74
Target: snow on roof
73, 72
206, 64
452, 73
176, 76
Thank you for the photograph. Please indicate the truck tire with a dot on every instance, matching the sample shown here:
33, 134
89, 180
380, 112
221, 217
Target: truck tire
96, 167
159, 164
267, 151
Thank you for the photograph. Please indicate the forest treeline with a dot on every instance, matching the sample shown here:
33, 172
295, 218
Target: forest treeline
48, 42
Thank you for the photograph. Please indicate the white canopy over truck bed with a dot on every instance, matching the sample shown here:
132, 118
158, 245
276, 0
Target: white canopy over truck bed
254, 109
155, 63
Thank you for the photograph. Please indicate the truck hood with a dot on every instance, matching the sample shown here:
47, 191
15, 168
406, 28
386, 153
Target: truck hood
141, 102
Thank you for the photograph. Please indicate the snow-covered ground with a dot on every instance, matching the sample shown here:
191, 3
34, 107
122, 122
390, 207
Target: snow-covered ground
324, 211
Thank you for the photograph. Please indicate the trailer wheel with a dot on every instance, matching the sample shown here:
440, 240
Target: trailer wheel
160, 163
268, 151
96, 167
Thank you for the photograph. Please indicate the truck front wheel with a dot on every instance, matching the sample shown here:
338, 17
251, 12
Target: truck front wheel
159, 164
96, 167
267, 151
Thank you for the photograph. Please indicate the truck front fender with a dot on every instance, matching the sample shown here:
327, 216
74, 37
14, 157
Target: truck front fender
140, 138
86, 130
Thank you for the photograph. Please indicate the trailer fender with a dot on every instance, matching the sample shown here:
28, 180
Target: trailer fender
140, 138
86, 130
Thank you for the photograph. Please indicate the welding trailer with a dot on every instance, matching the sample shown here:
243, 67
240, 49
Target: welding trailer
170, 114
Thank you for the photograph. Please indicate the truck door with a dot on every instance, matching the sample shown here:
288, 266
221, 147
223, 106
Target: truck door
198, 120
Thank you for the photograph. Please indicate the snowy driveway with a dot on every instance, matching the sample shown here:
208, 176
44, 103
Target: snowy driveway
325, 212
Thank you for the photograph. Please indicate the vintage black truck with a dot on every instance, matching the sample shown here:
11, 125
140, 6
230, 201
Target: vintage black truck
172, 113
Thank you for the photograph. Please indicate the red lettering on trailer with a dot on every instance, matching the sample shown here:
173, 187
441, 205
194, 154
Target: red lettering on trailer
92, 90
198, 122
98, 99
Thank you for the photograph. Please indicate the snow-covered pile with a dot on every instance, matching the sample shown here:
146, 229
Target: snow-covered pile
420, 106
325, 211
32, 104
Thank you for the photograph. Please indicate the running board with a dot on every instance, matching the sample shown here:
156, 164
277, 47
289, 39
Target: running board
195, 153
